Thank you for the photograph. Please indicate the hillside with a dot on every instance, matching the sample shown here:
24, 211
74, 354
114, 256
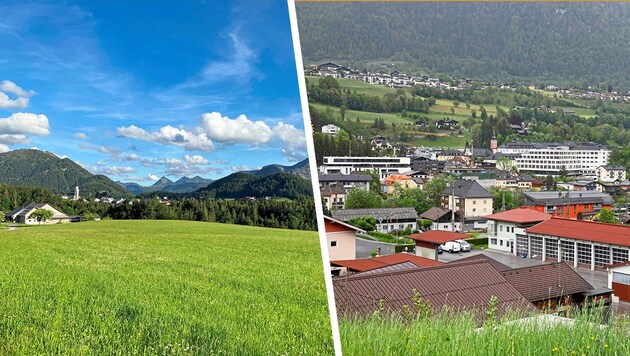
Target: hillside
44, 169
550, 42
242, 184
300, 169
162, 287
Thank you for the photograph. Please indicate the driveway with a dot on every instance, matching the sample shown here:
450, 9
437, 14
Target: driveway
365, 248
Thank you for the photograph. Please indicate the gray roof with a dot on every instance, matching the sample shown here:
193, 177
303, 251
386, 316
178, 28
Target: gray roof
335, 177
391, 268
560, 197
379, 214
434, 213
466, 189
622, 168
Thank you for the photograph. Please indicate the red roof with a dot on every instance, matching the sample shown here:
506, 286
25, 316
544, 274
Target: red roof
584, 230
334, 225
438, 236
520, 215
367, 264
618, 264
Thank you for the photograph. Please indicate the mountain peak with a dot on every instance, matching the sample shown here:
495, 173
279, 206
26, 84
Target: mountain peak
163, 181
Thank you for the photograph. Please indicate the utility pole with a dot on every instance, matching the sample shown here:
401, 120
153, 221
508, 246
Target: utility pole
452, 207
462, 206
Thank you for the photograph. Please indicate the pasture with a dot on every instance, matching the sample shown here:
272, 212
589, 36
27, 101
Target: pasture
161, 287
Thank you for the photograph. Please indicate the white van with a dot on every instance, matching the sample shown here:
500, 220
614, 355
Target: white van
451, 246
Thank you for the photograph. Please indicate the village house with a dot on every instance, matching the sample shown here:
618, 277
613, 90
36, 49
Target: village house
340, 239
388, 220
442, 219
470, 199
399, 181
333, 196
611, 174
330, 129
504, 228
23, 214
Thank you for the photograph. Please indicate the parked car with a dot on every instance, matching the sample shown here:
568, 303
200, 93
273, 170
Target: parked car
440, 250
464, 246
451, 246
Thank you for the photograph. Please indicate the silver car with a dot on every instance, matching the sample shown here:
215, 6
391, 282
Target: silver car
464, 246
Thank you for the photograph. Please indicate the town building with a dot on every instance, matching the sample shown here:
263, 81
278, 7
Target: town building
330, 129
619, 281
340, 239
504, 227
470, 199
384, 165
333, 196
346, 181
611, 174
388, 220
567, 203
510, 182
399, 181
442, 219
427, 243
580, 243
553, 158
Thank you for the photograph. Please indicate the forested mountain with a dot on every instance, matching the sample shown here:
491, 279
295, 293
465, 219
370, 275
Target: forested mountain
301, 169
562, 43
43, 169
182, 185
242, 184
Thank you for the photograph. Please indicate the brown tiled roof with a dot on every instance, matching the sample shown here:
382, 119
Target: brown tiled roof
366, 264
546, 281
457, 285
434, 213
481, 257
330, 190
438, 236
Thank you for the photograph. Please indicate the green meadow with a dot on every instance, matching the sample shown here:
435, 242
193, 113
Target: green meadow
161, 287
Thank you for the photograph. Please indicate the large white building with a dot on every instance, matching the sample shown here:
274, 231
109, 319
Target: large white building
384, 165
330, 129
551, 158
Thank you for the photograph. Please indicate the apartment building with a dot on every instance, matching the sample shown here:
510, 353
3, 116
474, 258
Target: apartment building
384, 165
578, 159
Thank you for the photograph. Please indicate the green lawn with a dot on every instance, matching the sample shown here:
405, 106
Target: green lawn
443, 141
161, 287
365, 116
360, 86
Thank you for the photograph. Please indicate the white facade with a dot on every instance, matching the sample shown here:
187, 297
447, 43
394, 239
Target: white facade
551, 159
502, 235
384, 165
620, 275
608, 174
330, 129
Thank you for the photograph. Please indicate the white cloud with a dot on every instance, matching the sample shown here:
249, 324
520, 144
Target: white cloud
4, 148
195, 159
294, 142
17, 128
169, 135
115, 170
240, 168
239, 130
22, 96
153, 177
81, 136
26, 124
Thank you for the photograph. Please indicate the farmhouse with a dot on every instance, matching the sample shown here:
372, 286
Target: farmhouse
23, 214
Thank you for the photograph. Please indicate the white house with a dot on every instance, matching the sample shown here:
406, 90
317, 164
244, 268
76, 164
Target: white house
505, 227
610, 174
619, 281
23, 214
330, 129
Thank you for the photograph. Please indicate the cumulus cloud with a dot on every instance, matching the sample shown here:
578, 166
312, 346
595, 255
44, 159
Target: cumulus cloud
153, 177
81, 136
113, 152
293, 139
4, 148
22, 96
195, 159
240, 168
239, 130
17, 128
169, 135
115, 170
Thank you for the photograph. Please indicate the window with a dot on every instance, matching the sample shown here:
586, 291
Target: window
619, 255
500, 242
333, 243
493, 241
567, 250
584, 253
621, 278
551, 248
474, 202
602, 256
536, 243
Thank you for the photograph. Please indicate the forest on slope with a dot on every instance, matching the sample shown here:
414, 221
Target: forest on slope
550, 43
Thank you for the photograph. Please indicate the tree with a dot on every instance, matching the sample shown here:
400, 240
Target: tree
359, 198
342, 112
42, 215
550, 183
607, 216
367, 223
504, 164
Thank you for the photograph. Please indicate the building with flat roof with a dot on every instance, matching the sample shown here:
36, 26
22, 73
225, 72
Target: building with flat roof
567, 203
384, 165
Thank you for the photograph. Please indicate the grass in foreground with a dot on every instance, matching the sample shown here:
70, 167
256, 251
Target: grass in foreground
445, 334
161, 287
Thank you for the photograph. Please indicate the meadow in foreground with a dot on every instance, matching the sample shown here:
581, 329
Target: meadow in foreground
447, 334
161, 287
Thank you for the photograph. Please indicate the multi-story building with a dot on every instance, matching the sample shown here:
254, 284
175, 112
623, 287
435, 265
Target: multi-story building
384, 165
346, 181
506, 226
330, 129
469, 198
552, 158
568, 204
611, 174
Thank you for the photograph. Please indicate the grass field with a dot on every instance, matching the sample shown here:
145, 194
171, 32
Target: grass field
360, 86
447, 334
365, 116
161, 287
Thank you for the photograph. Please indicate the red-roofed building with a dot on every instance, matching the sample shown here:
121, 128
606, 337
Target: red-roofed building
619, 281
427, 242
368, 264
580, 243
505, 228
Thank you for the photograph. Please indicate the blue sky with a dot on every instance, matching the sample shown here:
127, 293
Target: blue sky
138, 90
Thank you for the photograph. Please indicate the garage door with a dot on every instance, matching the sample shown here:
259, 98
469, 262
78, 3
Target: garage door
621, 286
